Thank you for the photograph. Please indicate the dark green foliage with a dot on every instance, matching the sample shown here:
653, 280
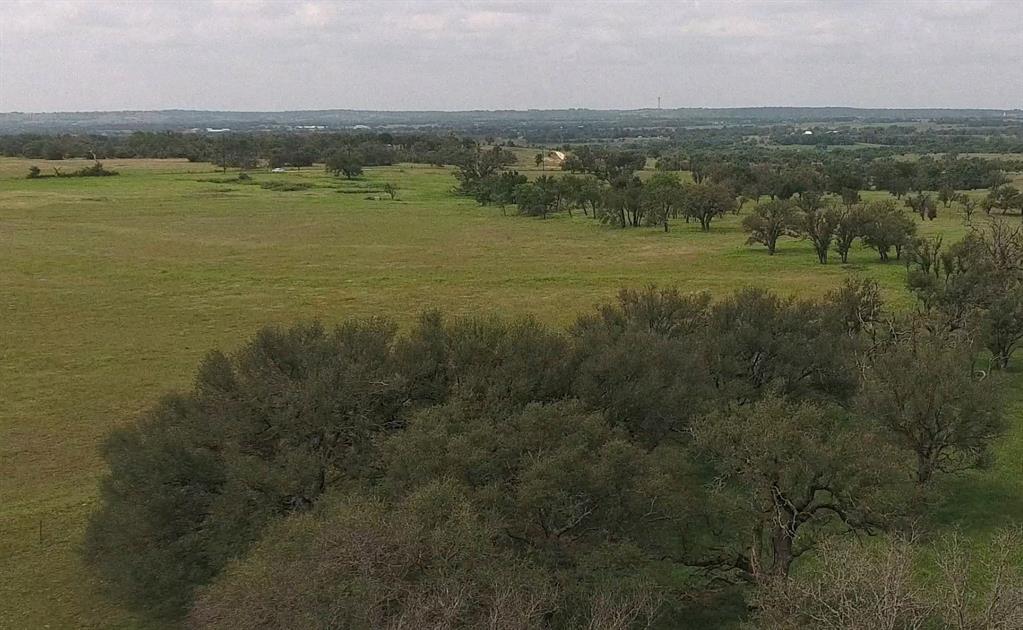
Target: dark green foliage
262, 434
291, 156
344, 163
640, 361
479, 467
285, 186
803, 469
857, 305
664, 312
566, 490
555, 474
763, 343
499, 189
606, 164
928, 393
95, 170
494, 364
476, 168
539, 198
976, 283
1001, 327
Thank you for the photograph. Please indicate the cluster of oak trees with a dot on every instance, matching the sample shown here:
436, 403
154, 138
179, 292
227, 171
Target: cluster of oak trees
662, 456
609, 191
979, 278
880, 225
800, 204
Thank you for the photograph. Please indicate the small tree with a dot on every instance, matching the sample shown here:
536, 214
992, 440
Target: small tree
850, 196
969, 206
923, 205
663, 194
820, 226
623, 203
977, 281
848, 228
534, 199
886, 227
539, 161
391, 190
947, 195
344, 163
770, 221
705, 202
925, 390
899, 187
1002, 326
33, 172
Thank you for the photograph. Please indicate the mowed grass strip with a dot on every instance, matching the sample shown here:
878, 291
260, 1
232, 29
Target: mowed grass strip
112, 289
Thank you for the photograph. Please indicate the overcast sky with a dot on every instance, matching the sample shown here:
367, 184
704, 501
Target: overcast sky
437, 54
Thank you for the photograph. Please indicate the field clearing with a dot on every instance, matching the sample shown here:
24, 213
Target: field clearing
112, 288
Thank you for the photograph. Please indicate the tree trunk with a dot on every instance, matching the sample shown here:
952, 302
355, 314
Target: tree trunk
924, 467
822, 254
781, 545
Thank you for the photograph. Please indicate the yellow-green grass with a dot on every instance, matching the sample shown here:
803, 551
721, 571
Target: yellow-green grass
111, 289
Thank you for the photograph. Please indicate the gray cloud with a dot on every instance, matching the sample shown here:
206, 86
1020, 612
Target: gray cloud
265, 55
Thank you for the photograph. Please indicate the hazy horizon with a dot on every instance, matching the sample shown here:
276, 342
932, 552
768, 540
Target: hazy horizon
497, 110
216, 55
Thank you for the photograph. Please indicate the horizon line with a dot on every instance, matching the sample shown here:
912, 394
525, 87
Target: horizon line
501, 110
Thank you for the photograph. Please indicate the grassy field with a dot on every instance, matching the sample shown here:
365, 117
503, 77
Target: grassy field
111, 289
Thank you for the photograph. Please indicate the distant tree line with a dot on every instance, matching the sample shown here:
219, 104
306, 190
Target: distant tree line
665, 452
951, 136
759, 173
244, 149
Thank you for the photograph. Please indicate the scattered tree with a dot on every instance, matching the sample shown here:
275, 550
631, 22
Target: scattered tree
705, 202
770, 221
